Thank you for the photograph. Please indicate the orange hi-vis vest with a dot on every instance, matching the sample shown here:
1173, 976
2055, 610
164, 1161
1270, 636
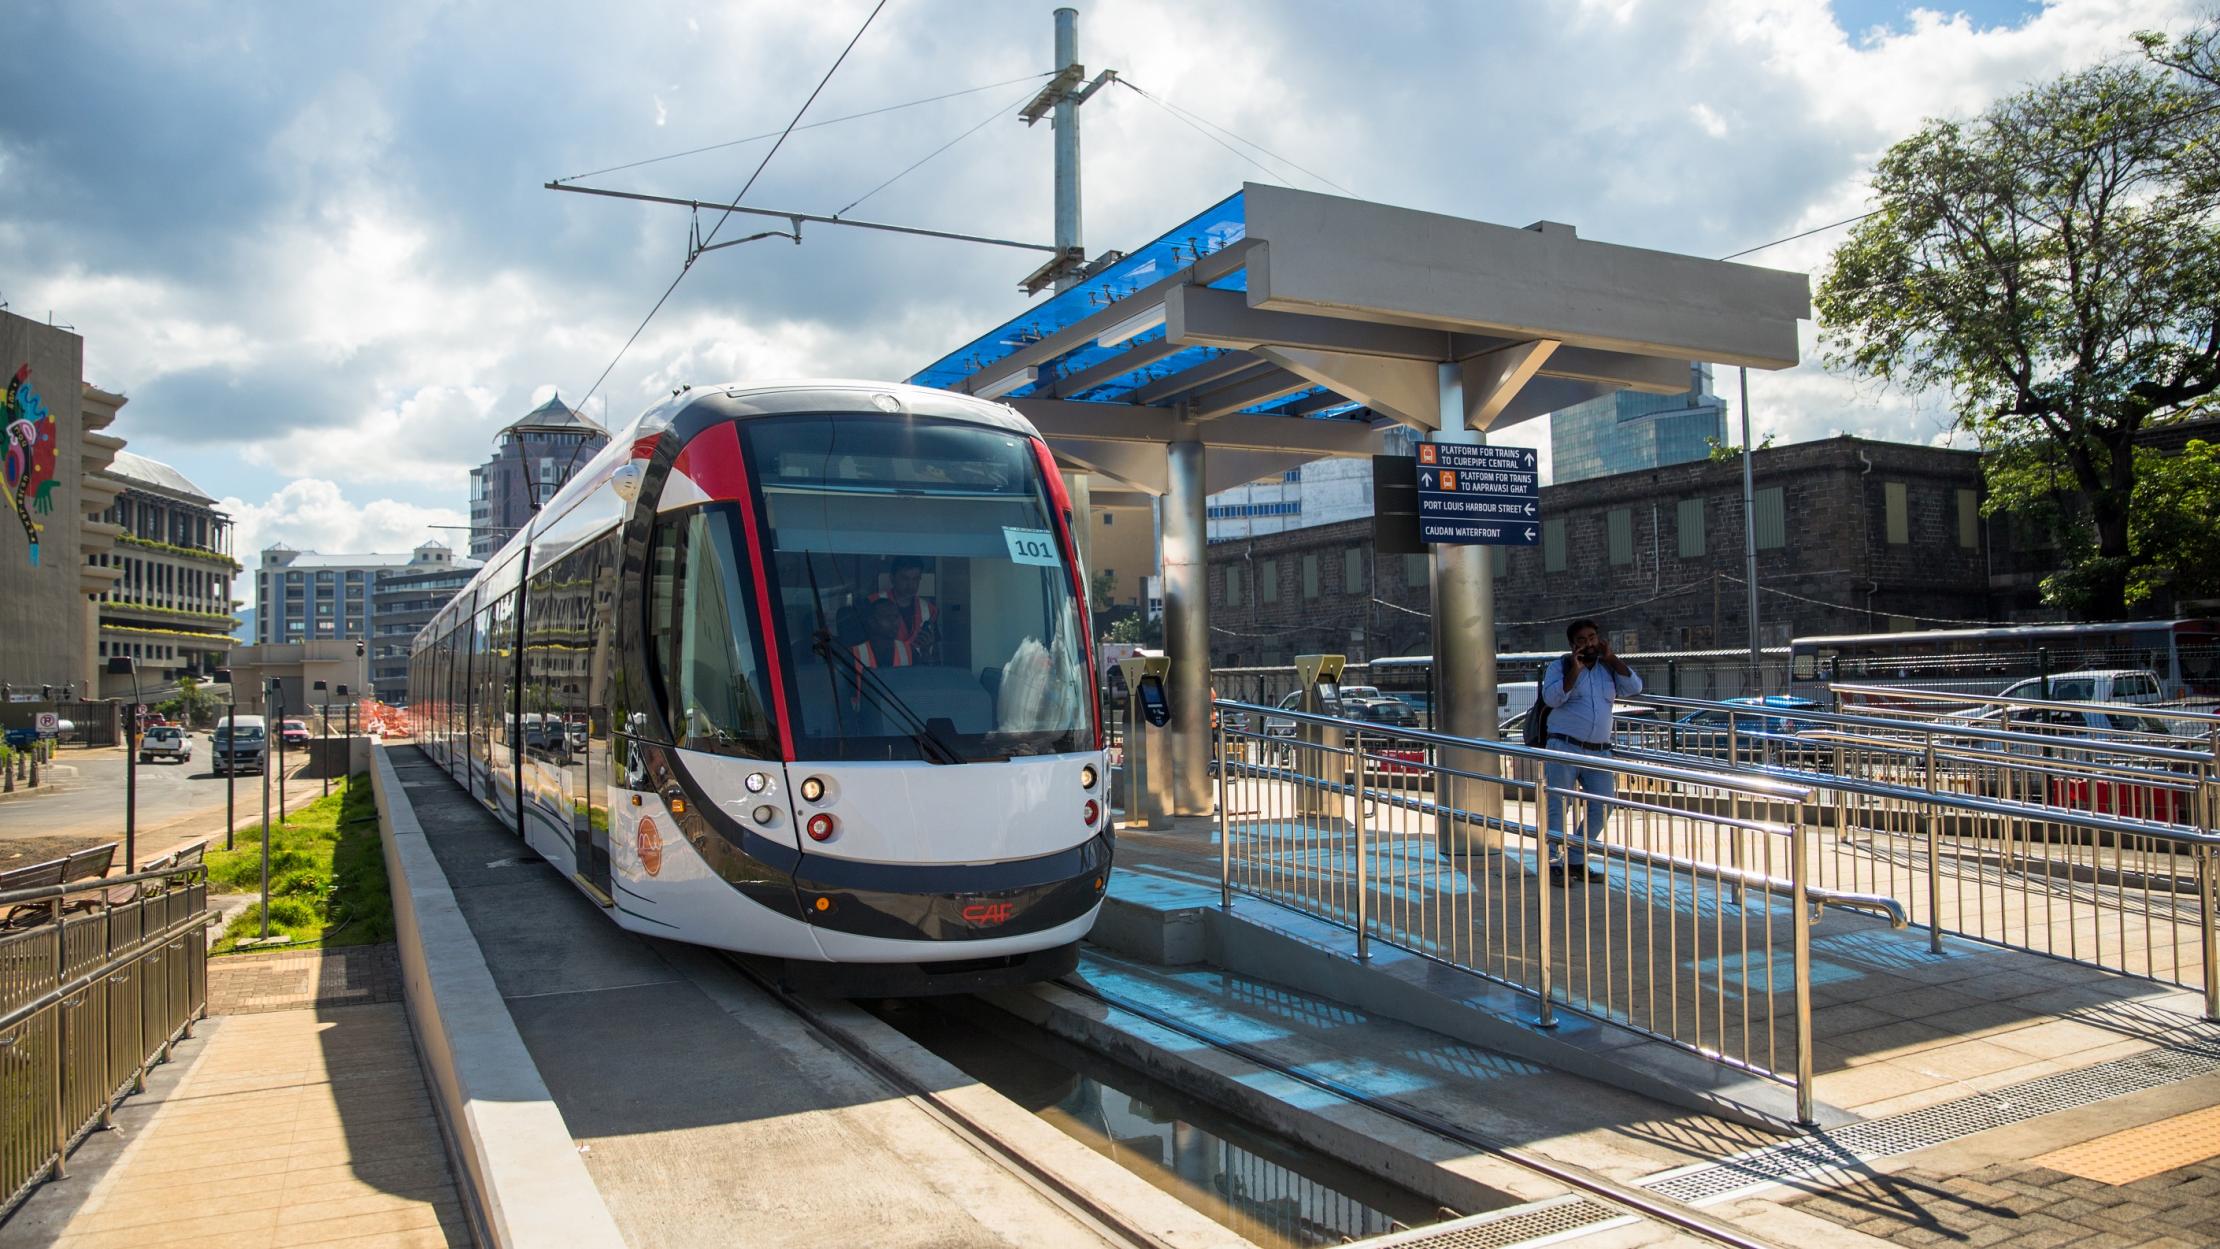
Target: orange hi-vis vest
868, 655
916, 616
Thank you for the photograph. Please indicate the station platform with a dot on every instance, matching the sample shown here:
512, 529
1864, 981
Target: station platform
1980, 1095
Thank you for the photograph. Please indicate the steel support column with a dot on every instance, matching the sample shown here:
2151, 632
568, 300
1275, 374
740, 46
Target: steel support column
1187, 624
1464, 656
1066, 121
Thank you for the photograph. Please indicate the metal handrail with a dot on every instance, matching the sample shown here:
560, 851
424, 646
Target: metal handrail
2161, 710
1846, 899
45, 893
24, 1010
1812, 715
2027, 763
1760, 787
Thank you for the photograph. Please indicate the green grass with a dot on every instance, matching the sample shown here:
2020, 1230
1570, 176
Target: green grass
327, 874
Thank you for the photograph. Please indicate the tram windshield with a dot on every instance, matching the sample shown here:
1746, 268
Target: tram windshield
925, 608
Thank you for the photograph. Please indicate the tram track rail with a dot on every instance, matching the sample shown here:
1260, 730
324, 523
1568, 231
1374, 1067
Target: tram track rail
1616, 1197
1076, 1203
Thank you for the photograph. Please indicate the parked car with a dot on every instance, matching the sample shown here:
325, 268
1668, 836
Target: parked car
294, 732
166, 741
2092, 685
1755, 736
239, 744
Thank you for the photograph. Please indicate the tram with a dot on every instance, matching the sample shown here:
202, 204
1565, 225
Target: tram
800, 671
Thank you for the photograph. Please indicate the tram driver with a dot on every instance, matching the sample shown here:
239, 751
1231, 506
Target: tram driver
883, 645
919, 619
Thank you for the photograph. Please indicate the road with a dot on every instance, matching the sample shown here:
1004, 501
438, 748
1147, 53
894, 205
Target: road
178, 803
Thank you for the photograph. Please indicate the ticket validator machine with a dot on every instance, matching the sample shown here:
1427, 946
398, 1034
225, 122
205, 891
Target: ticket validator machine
1318, 756
1148, 741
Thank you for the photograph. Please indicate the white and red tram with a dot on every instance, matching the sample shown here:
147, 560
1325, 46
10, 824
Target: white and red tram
802, 671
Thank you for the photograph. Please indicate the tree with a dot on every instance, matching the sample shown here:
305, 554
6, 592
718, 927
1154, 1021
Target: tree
194, 705
2053, 266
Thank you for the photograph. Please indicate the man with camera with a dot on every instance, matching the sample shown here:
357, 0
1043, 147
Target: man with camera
1579, 689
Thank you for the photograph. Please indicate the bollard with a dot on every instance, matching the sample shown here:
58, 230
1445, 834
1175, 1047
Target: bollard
34, 769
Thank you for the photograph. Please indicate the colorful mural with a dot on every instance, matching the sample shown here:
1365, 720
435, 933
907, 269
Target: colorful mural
30, 444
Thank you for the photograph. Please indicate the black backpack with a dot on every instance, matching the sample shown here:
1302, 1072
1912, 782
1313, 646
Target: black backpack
1536, 732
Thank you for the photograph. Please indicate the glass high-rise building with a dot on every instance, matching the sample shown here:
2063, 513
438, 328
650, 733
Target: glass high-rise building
1624, 431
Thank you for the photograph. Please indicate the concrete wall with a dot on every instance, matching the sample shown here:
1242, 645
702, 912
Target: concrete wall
43, 608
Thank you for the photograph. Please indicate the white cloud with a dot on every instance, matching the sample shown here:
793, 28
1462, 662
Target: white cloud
312, 514
1708, 119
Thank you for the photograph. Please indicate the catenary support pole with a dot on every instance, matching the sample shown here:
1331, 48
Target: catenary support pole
231, 767
1066, 121
1464, 650
1749, 536
1187, 625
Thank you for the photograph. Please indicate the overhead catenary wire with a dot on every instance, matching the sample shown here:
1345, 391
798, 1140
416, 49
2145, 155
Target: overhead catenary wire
1196, 122
815, 125
711, 236
983, 123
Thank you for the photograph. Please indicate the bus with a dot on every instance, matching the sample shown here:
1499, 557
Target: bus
2184, 653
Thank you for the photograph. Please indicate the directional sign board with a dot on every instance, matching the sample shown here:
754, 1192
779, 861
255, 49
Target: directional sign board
1478, 494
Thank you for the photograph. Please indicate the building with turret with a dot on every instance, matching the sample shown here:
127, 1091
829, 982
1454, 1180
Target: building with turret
532, 458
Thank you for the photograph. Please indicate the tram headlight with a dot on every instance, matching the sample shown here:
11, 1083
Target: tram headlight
1087, 777
765, 814
813, 789
822, 826
757, 782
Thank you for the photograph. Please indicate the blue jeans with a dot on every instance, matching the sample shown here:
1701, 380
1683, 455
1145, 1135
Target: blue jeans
1583, 833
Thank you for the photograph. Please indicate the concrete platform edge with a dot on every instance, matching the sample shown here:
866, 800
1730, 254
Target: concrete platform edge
1265, 941
515, 1154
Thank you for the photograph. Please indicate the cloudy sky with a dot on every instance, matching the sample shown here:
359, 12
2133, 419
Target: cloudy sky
311, 242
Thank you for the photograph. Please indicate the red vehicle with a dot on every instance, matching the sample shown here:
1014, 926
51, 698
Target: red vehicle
294, 733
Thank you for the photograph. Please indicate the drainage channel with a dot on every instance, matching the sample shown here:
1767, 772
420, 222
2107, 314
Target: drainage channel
1273, 1192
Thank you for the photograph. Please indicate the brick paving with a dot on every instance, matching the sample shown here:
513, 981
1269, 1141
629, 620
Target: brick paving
2022, 1206
276, 980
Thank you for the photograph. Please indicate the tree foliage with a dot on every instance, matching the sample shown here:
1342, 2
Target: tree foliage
2053, 266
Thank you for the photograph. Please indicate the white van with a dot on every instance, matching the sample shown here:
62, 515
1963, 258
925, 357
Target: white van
1513, 698
2094, 685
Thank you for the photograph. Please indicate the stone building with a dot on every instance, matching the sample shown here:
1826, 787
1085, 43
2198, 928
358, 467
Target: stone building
532, 459
52, 458
1853, 536
170, 604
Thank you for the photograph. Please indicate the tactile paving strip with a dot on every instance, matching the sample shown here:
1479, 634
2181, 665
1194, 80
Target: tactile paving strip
2139, 1153
1533, 1224
1933, 1125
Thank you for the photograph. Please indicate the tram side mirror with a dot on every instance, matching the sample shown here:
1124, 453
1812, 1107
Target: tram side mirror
1155, 707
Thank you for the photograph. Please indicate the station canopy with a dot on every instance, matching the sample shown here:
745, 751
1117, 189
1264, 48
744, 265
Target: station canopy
1278, 326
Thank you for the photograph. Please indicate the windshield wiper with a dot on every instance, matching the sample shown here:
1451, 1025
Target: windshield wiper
930, 743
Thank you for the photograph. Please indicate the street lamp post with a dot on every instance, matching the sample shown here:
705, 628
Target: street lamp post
231, 745
277, 688
323, 741
348, 704
125, 665
277, 685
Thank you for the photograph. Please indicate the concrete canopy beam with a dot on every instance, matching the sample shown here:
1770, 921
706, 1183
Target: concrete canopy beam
1403, 389
1492, 381
1077, 431
1338, 257
1200, 316
1231, 364
1276, 384
1134, 465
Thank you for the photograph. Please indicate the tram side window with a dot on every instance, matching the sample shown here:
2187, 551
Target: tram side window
698, 628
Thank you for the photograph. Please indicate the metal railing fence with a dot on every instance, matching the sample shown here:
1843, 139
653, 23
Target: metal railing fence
92, 993
1694, 927
2100, 852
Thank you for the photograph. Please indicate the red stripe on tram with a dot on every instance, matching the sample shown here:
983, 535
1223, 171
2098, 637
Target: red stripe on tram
722, 473
1060, 502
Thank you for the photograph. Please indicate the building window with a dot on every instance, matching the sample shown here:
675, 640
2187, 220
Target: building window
1969, 519
1898, 507
1553, 546
1690, 523
1310, 574
1415, 571
1233, 585
1619, 527
1769, 516
1352, 570
1268, 582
